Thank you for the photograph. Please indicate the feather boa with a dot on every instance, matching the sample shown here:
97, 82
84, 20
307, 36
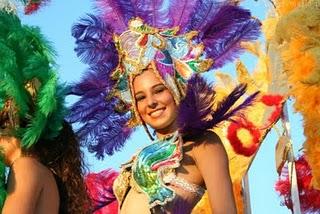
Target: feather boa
300, 55
99, 187
34, 5
309, 196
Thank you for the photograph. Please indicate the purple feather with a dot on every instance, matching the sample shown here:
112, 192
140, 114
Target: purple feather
95, 81
231, 26
93, 91
94, 43
84, 109
195, 111
100, 128
180, 11
116, 13
154, 12
205, 14
223, 27
224, 112
110, 138
227, 48
223, 19
96, 117
196, 105
105, 131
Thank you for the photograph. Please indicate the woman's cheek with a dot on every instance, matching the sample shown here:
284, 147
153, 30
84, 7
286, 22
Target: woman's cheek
141, 108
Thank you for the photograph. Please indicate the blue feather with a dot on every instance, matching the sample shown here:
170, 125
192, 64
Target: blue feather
94, 43
104, 135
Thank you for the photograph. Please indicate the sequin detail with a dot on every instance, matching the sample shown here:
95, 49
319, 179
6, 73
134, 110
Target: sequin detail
149, 167
183, 184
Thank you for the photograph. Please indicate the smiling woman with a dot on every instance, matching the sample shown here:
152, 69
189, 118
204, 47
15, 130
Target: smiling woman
155, 103
150, 66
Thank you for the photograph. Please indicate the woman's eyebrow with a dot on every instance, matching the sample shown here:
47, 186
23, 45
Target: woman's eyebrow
137, 93
153, 87
160, 84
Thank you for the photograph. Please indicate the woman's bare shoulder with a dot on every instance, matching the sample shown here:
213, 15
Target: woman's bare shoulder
208, 145
27, 180
207, 138
30, 168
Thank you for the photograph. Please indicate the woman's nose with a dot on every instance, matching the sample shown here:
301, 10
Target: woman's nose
152, 103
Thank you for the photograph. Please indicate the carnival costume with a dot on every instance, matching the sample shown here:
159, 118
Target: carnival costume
31, 100
178, 40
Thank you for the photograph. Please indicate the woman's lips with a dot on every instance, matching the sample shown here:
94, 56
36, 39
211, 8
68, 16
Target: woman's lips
157, 113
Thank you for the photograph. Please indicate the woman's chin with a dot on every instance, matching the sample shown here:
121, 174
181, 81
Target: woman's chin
164, 129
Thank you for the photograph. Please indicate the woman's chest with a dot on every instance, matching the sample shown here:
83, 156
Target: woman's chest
160, 175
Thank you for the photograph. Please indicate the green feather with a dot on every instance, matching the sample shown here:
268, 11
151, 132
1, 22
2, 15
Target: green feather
9, 82
26, 55
46, 100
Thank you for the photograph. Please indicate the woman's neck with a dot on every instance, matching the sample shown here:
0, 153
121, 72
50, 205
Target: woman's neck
13, 157
168, 131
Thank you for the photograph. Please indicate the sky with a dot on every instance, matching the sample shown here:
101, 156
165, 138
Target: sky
56, 20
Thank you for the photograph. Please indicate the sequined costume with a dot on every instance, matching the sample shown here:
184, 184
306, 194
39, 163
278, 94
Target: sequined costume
153, 168
179, 41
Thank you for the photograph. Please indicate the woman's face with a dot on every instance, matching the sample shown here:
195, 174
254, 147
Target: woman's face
155, 103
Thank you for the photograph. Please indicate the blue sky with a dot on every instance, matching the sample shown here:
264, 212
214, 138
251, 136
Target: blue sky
56, 20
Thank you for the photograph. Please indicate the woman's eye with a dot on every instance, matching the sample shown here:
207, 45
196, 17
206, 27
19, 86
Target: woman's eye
159, 90
139, 98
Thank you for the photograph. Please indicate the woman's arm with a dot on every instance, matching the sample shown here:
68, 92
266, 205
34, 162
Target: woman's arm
212, 162
24, 187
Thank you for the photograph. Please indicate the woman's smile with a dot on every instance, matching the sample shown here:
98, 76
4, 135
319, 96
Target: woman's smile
157, 112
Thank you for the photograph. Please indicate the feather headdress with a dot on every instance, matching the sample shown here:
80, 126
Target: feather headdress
29, 90
31, 101
176, 38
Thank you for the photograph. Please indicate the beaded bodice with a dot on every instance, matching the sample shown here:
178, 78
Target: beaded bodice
151, 170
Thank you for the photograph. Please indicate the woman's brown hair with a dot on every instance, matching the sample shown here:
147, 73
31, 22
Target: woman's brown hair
65, 159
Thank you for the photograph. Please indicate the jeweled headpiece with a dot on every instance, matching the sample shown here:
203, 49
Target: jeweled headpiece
173, 57
176, 38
